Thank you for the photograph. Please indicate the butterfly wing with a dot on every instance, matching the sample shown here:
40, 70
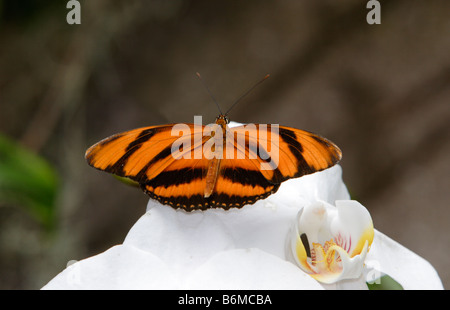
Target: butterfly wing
137, 154
303, 152
250, 168
182, 183
141, 154
262, 156
240, 183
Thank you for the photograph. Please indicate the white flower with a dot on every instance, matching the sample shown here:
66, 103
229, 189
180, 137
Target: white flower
236, 249
330, 243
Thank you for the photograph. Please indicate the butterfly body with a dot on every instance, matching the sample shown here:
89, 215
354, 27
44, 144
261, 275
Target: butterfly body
214, 163
194, 167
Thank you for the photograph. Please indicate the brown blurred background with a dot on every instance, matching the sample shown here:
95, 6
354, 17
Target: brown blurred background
381, 92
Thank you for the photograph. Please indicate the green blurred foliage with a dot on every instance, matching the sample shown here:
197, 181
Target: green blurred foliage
386, 283
126, 181
29, 181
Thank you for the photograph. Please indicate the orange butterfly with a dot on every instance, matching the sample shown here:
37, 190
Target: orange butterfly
193, 167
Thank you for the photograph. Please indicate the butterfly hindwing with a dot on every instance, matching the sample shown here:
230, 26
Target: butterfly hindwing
181, 185
239, 183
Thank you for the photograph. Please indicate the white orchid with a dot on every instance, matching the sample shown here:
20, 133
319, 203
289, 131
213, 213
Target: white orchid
246, 248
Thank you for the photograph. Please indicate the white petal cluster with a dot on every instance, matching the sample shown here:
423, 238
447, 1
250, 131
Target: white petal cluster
235, 249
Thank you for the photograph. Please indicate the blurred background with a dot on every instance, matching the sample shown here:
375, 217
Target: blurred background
380, 92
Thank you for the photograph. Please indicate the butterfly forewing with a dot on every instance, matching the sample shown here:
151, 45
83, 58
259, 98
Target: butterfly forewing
303, 152
140, 154
286, 152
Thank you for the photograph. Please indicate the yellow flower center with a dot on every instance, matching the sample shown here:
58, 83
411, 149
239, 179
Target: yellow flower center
325, 259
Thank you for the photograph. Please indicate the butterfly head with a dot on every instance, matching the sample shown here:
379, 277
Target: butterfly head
222, 120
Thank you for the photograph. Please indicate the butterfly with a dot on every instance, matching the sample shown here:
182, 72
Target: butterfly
196, 167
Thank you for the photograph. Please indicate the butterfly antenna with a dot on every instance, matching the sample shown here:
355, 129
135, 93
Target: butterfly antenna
209, 92
246, 93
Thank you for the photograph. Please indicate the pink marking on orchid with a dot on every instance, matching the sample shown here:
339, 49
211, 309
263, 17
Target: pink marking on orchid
345, 243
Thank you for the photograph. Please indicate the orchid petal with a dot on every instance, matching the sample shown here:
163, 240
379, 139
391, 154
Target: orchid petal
353, 219
406, 267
